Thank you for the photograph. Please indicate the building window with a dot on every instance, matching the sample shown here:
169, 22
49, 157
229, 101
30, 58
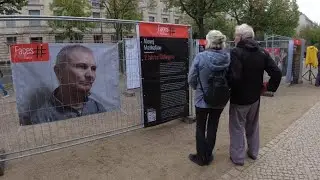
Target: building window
11, 40
151, 18
36, 40
114, 38
34, 22
176, 21
10, 24
165, 9
96, 15
78, 38
95, 3
98, 38
58, 39
33, 2
165, 20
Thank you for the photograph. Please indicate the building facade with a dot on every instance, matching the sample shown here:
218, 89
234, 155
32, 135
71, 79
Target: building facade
12, 32
159, 12
304, 22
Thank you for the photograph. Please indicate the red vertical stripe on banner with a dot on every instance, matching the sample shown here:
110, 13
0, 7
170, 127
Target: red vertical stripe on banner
163, 30
297, 42
35, 52
202, 42
275, 51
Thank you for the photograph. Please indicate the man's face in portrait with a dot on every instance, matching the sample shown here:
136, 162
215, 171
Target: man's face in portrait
78, 72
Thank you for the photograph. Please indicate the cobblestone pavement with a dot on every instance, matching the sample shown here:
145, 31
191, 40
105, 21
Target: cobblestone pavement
292, 155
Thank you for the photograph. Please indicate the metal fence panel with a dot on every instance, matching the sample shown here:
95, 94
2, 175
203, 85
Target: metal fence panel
20, 141
278, 50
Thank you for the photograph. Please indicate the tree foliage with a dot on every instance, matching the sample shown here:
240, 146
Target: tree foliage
198, 10
72, 30
283, 17
311, 35
268, 16
218, 22
221, 23
122, 9
9, 7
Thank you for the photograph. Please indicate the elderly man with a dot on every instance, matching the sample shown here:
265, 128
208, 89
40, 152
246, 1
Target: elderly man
76, 72
248, 63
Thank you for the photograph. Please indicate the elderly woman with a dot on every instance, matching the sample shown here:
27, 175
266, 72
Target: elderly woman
213, 59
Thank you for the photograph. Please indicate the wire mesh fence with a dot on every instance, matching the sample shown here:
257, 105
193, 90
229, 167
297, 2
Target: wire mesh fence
20, 139
23, 138
278, 50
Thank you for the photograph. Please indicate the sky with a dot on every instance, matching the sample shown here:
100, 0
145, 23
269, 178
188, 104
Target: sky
311, 8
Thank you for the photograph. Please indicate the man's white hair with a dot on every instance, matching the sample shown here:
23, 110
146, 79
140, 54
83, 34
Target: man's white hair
245, 31
215, 40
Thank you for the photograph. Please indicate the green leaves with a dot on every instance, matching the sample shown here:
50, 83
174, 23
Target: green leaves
283, 17
10, 7
265, 16
198, 10
122, 9
70, 29
268, 16
80, 8
311, 35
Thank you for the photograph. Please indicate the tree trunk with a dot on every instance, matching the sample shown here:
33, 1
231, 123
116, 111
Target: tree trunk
119, 30
201, 28
71, 39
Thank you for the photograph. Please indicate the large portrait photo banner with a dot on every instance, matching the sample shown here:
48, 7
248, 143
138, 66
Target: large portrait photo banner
59, 81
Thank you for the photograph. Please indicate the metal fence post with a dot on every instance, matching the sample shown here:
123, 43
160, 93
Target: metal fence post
140, 72
2, 163
191, 118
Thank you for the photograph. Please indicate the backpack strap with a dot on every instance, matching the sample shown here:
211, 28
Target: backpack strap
198, 72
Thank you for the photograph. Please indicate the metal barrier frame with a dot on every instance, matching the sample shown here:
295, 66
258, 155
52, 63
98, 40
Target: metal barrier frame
22, 153
79, 140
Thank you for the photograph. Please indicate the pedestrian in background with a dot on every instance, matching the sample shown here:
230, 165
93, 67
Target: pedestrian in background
5, 93
208, 76
248, 63
318, 75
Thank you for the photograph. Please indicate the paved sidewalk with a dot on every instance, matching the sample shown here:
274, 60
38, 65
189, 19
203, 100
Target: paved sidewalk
292, 155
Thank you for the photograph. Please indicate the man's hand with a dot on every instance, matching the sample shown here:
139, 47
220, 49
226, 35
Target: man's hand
265, 92
264, 87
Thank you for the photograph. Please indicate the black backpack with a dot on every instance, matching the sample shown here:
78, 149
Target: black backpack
218, 92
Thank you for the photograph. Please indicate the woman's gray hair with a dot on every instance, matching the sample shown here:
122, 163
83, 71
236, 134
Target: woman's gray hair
215, 40
245, 31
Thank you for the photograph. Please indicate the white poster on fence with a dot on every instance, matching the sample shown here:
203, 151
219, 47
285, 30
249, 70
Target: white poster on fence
132, 63
61, 81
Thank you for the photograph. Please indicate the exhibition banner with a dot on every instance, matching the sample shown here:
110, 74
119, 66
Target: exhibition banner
202, 44
132, 63
64, 81
279, 55
164, 66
